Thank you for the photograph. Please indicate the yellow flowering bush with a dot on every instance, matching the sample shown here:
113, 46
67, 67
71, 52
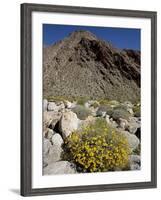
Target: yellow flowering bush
97, 148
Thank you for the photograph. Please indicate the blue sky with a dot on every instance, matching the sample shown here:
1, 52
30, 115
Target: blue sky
119, 37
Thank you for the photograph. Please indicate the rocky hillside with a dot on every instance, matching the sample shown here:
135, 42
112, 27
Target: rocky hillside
83, 65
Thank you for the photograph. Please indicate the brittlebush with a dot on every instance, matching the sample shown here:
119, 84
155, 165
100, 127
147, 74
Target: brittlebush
97, 148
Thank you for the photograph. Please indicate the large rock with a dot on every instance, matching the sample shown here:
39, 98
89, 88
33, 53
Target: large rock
57, 140
45, 104
132, 140
135, 162
52, 106
67, 104
54, 154
123, 123
50, 119
133, 125
46, 146
61, 167
48, 133
55, 150
68, 123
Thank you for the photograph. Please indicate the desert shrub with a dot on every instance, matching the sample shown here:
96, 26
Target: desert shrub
81, 112
104, 102
95, 104
97, 148
82, 100
60, 98
120, 113
120, 107
137, 111
107, 109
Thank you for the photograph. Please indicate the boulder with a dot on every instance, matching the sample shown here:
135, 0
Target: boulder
67, 104
46, 149
57, 140
50, 119
107, 118
61, 107
54, 154
135, 162
113, 123
48, 133
68, 123
133, 125
46, 146
45, 104
123, 123
61, 167
52, 106
132, 140
55, 150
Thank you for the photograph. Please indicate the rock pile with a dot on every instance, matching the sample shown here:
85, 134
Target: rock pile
60, 120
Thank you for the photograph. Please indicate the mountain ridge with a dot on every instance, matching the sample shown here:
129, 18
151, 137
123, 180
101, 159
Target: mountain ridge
83, 65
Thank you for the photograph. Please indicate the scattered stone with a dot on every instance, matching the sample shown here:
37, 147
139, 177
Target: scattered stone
50, 119
135, 162
61, 107
67, 104
101, 113
57, 140
52, 106
133, 125
46, 146
128, 104
61, 167
55, 150
45, 104
132, 139
87, 104
123, 123
107, 118
49, 133
55, 120
113, 123
54, 154
68, 123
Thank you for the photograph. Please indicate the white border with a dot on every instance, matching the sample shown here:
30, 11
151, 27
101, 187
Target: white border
39, 181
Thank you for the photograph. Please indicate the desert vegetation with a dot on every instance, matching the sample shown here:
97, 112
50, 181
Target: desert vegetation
94, 136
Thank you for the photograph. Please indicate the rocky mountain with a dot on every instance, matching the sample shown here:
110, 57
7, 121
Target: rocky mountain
83, 65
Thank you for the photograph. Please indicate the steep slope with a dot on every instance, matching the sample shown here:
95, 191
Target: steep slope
83, 65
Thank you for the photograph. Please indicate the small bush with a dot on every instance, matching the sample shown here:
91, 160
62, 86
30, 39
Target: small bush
95, 104
60, 98
97, 148
137, 111
104, 102
81, 112
120, 113
82, 100
107, 109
